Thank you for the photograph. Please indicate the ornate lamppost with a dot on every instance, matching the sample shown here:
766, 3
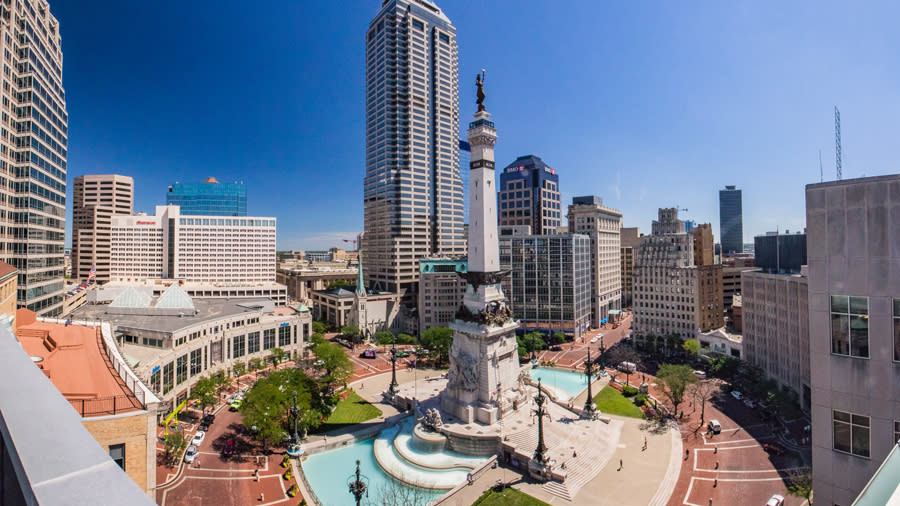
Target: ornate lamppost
392, 390
589, 411
359, 486
540, 453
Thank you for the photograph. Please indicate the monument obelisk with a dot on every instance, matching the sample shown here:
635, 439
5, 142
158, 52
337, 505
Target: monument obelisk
483, 381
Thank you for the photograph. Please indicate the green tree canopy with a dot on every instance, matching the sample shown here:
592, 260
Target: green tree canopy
531, 342
334, 362
316, 339
405, 339
276, 356
204, 392
559, 337
351, 332
675, 379
266, 406
254, 364
438, 341
384, 337
238, 368
340, 283
319, 327
691, 346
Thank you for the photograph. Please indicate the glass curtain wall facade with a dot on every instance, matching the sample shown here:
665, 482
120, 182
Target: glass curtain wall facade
210, 198
413, 195
731, 221
33, 154
549, 286
529, 195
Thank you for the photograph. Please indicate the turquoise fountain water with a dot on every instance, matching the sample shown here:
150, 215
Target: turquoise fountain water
569, 383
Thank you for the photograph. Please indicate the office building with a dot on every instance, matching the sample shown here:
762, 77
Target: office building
689, 226
465, 157
33, 155
8, 284
731, 221
84, 364
731, 281
413, 195
784, 253
665, 281
441, 291
205, 249
703, 244
588, 216
209, 198
173, 339
775, 320
529, 195
549, 285
854, 330
95, 199
629, 240
711, 306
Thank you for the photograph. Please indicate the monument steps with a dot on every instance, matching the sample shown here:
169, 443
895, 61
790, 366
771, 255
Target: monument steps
558, 489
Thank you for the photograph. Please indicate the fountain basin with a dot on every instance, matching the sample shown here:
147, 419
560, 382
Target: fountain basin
394, 464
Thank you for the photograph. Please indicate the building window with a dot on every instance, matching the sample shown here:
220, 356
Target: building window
284, 336
851, 433
117, 453
252, 342
897, 329
240, 346
268, 339
181, 369
850, 326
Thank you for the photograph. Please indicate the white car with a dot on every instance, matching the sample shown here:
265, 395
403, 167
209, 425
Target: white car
776, 500
191, 454
594, 340
198, 438
737, 395
749, 403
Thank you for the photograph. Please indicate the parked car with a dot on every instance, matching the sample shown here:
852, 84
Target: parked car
198, 438
370, 353
774, 448
700, 374
714, 426
749, 402
595, 339
776, 500
737, 395
236, 404
402, 354
628, 367
191, 454
228, 449
556, 348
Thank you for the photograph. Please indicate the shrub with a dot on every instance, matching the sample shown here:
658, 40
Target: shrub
640, 400
629, 391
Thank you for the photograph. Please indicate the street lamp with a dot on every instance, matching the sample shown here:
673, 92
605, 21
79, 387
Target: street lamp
540, 453
392, 390
359, 486
588, 411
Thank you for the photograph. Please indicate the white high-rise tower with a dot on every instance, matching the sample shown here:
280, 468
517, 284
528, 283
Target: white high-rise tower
483, 381
413, 194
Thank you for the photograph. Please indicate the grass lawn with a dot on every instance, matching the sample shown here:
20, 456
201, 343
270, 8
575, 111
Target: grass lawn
353, 409
507, 497
611, 401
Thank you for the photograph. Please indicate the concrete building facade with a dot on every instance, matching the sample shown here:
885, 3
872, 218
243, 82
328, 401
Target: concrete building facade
854, 330
95, 199
665, 281
441, 291
205, 249
529, 195
731, 221
301, 281
413, 196
33, 155
775, 320
629, 240
549, 285
588, 216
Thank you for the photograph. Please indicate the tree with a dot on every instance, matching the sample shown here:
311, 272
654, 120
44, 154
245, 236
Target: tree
174, 445
316, 339
264, 409
204, 392
533, 342
384, 337
351, 332
622, 353
405, 339
725, 367
673, 341
559, 337
335, 364
800, 484
675, 379
701, 392
222, 381
254, 364
276, 356
238, 368
438, 341
340, 283
692, 346
319, 327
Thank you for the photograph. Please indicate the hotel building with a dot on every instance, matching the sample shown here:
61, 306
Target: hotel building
95, 199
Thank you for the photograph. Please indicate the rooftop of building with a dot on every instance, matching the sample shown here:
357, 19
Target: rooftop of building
427, 265
859, 180
206, 310
530, 162
6, 270
884, 487
73, 357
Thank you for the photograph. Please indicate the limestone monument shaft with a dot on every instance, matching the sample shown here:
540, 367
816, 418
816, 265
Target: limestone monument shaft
483, 381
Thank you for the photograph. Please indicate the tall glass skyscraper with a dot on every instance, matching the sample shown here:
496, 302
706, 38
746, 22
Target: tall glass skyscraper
731, 222
413, 193
209, 198
33, 158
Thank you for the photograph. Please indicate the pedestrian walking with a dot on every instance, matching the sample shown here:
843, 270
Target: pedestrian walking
645, 443
621, 465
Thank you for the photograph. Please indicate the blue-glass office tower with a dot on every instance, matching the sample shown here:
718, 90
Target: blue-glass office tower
209, 198
529, 195
465, 157
731, 222
413, 193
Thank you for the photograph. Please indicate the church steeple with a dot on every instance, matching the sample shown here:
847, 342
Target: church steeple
360, 279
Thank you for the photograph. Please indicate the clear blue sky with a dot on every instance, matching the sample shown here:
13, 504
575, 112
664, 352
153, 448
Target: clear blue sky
646, 104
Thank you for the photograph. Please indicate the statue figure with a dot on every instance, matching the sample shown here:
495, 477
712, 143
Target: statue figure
479, 82
432, 420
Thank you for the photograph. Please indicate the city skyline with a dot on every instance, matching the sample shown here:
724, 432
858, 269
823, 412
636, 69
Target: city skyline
635, 125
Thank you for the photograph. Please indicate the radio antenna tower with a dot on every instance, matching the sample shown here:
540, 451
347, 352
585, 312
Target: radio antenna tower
821, 174
837, 141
